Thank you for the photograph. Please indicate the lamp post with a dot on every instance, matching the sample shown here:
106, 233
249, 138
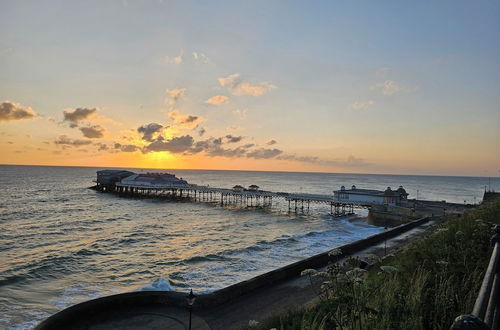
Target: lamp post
190, 300
385, 241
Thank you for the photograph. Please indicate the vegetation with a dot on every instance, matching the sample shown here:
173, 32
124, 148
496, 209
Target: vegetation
425, 286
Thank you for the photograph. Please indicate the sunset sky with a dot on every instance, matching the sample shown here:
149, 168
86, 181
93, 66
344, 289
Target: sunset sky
403, 87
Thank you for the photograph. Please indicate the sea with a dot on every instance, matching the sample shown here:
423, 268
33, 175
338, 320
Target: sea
62, 243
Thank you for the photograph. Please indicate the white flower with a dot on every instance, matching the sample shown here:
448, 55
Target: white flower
310, 272
321, 274
355, 272
253, 323
372, 258
335, 252
389, 269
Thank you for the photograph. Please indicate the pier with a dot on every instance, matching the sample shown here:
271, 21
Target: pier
229, 197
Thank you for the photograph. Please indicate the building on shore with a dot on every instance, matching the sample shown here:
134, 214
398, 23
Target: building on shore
371, 196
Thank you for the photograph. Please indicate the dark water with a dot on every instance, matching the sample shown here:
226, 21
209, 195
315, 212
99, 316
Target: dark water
61, 243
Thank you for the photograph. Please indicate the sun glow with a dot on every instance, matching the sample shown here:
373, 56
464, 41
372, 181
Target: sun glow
160, 156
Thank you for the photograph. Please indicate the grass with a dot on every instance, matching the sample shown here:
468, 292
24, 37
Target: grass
425, 286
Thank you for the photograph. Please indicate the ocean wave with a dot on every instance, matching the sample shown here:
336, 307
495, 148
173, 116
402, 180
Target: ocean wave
208, 257
46, 267
160, 284
283, 241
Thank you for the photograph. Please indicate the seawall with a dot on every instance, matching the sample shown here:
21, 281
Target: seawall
76, 316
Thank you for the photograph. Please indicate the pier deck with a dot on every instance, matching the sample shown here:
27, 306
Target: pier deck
225, 197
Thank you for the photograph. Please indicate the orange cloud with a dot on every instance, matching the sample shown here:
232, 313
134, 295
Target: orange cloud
238, 87
362, 105
184, 121
13, 111
254, 90
174, 95
217, 100
176, 59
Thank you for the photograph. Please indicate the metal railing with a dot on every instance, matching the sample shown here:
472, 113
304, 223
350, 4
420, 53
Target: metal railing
486, 311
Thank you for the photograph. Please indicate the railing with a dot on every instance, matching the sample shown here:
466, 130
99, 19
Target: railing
486, 311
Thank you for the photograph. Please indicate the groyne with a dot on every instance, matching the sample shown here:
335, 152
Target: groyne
86, 313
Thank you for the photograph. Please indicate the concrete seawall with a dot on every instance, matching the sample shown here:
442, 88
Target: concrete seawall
75, 316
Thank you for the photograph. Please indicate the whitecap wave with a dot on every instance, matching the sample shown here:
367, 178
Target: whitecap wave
160, 284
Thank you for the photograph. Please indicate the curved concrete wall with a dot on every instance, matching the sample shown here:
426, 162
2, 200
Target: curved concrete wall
144, 298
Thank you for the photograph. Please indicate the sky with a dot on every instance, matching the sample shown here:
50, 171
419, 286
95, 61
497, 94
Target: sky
397, 87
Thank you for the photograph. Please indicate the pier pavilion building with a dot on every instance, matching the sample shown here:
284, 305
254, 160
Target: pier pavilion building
253, 187
381, 197
107, 179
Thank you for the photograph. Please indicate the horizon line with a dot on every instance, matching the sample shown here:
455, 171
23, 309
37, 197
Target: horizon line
239, 170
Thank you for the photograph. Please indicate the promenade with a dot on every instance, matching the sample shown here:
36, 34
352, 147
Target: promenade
229, 308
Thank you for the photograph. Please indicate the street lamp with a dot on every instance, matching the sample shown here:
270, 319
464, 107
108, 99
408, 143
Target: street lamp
385, 241
190, 300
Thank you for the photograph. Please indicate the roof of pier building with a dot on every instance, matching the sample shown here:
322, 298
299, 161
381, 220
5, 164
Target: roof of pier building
372, 192
114, 172
112, 176
154, 179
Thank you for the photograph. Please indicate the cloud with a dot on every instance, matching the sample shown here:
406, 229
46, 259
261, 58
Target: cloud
350, 161
174, 96
263, 153
13, 111
65, 140
230, 81
362, 105
217, 100
241, 113
174, 145
214, 148
254, 90
233, 139
126, 147
390, 87
238, 87
219, 151
185, 121
102, 146
200, 57
79, 114
305, 159
272, 142
176, 59
149, 130
93, 132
